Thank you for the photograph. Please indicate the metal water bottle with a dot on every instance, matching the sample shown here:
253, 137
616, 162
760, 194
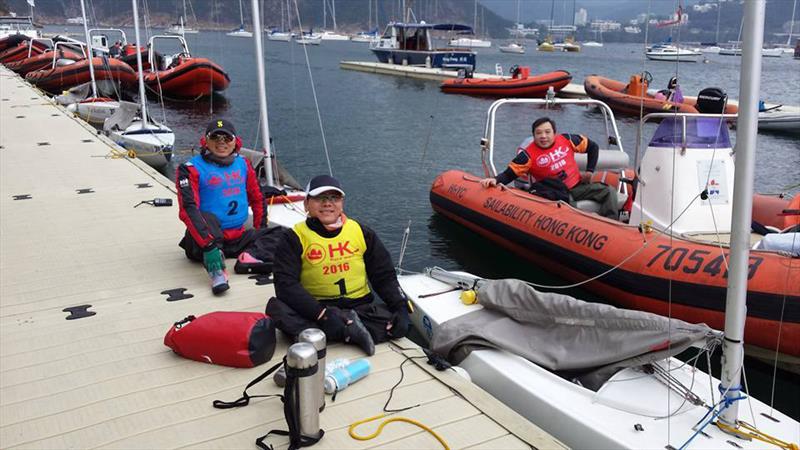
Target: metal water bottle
316, 337
303, 356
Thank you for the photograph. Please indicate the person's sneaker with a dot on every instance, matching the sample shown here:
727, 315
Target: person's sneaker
356, 333
247, 263
219, 281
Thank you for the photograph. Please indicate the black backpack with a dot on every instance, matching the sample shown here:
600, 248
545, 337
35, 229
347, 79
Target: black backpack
551, 188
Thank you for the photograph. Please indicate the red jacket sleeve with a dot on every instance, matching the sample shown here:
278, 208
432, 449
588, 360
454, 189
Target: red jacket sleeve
254, 197
187, 182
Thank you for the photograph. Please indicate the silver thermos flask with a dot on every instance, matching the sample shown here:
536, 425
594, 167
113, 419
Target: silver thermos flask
316, 337
303, 356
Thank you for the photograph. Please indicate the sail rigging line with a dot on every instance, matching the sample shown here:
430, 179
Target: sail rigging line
749, 397
618, 265
677, 387
115, 86
314, 93
152, 55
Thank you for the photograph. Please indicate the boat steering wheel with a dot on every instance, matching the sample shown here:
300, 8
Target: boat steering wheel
647, 77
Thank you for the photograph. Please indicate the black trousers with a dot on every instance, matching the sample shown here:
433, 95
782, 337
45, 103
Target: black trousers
260, 243
374, 315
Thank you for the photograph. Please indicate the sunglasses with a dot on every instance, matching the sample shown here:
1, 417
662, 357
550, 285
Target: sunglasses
328, 198
221, 137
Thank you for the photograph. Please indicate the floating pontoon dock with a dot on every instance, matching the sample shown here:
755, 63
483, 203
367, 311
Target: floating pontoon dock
72, 244
572, 90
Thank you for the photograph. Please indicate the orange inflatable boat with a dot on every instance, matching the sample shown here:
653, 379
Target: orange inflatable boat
521, 84
632, 97
60, 78
42, 61
668, 250
578, 245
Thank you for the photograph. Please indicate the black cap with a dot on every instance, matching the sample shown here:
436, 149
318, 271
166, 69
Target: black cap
220, 126
323, 183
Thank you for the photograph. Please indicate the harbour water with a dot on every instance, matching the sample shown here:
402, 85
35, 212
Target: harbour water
388, 138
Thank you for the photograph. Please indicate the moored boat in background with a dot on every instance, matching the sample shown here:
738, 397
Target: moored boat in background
520, 84
633, 98
412, 44
666, 52
43, 60
182, 76
513, 47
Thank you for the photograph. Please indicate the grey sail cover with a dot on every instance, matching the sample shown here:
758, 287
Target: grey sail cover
591, 341
122, 117
74, 95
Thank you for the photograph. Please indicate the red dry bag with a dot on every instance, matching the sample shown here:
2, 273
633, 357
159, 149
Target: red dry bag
236, 339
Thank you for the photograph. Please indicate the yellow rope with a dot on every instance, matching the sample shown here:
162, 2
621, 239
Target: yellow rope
747, 430
359, 437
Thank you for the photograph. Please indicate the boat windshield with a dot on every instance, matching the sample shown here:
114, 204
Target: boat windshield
701, 132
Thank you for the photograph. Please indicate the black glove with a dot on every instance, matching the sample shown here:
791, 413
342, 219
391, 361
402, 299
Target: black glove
333, 324
400, 323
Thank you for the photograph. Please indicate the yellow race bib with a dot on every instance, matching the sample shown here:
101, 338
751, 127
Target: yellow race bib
334, 267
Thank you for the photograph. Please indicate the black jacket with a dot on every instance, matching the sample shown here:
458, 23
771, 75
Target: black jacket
288, 265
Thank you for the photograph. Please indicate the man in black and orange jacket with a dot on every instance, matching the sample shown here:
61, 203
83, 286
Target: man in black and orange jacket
551, 157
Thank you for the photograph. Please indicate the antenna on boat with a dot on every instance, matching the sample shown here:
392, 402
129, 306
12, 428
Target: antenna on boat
142, 93
262, 93
746, 140
89, 51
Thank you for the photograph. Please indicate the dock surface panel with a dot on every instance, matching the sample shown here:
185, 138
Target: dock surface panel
70, 236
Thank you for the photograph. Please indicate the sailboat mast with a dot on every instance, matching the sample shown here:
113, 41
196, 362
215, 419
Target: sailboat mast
333, 13
142, 94
791, 24
369, 15
89, 52
475, 18
262, 93
324, 14
241, 14
573, 12
746, 141
719, 12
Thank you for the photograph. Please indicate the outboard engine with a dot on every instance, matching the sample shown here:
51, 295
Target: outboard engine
711, 101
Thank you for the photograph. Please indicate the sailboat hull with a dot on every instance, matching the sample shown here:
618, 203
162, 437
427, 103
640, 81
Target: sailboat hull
672, 276
94, 110
580, 417
152, 144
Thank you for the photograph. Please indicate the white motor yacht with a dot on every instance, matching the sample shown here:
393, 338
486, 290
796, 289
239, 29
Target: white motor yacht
671, 53
513, 47
470, 42
333, 36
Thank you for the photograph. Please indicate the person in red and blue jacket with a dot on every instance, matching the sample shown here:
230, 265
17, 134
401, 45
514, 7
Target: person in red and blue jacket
216, 189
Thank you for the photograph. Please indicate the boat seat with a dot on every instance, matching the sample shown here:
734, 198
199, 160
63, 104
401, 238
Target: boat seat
594, 207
